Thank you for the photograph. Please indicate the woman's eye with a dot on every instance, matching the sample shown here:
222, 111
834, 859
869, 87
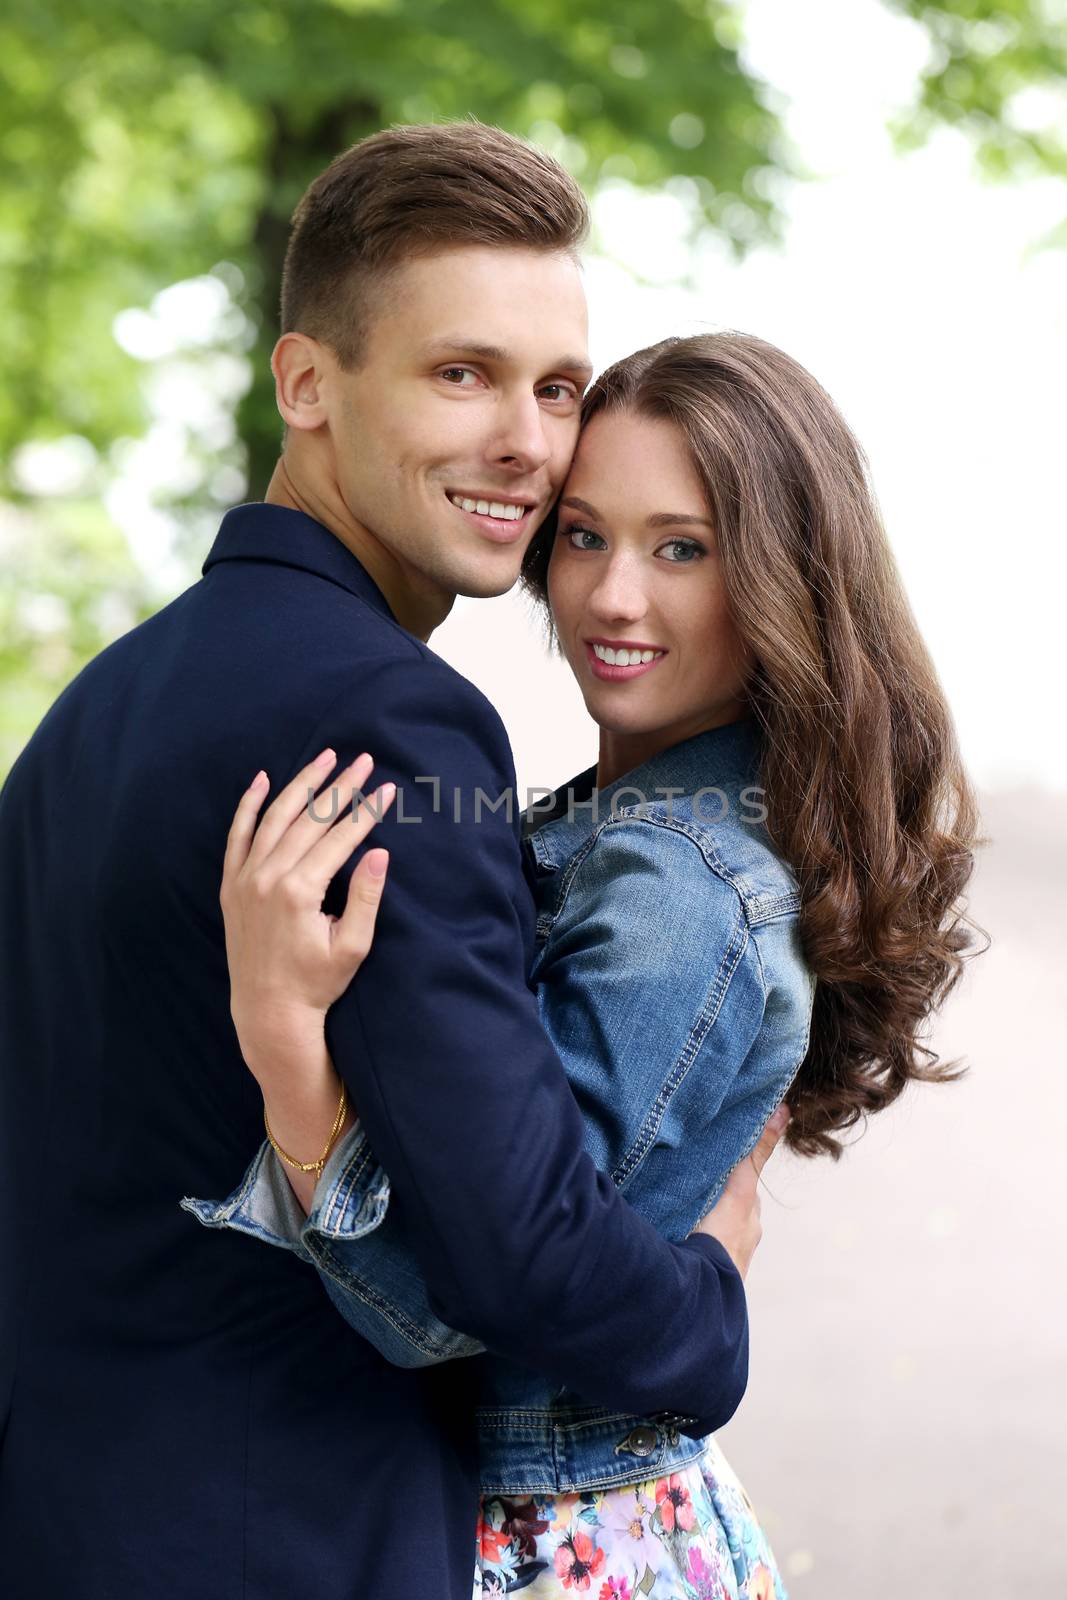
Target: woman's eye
455, 376
575, 533
686, 552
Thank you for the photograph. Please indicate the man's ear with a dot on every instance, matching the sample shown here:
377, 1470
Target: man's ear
299, 365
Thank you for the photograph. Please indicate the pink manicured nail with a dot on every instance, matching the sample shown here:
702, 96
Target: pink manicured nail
258, 782
321, 760
377, 863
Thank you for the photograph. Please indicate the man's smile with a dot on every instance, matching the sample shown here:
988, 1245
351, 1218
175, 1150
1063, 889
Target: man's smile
502, 518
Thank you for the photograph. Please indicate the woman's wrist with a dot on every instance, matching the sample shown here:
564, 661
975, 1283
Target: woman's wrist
302, 1115
285, 1050
281, 1044
304, 1184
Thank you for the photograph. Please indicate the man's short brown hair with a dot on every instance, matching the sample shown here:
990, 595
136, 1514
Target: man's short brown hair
406, 192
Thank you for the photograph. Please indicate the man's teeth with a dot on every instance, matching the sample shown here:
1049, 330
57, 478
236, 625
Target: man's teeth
489, 508
623, 658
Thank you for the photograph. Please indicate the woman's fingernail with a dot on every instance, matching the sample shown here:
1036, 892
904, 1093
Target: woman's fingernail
258, 782
320, 760
377, 863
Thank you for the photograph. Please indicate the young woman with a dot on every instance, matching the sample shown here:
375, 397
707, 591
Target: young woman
754, 895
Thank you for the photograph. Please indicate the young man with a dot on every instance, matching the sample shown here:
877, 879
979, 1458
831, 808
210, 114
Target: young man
185, 1415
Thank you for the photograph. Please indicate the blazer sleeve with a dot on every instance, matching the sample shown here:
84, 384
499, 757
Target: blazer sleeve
522, 1242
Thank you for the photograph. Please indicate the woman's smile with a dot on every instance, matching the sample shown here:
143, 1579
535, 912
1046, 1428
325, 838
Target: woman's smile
617, 660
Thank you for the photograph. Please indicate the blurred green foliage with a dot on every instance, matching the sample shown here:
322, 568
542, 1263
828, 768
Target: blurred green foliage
145, 144
147, 141
997, 71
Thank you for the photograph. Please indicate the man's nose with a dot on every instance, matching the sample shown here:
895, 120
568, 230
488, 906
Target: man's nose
522, 442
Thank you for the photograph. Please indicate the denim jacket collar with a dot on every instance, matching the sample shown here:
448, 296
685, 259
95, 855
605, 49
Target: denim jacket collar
720, 756
261, 532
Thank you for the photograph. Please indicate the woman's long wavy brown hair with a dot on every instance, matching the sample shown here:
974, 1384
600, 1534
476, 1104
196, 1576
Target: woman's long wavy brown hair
867, 798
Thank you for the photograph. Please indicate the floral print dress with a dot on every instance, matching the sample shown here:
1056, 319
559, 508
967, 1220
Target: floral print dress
691, 1535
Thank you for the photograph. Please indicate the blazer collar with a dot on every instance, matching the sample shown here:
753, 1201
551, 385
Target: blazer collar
261, 532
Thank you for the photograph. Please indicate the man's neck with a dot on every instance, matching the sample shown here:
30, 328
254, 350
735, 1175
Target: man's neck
418, 607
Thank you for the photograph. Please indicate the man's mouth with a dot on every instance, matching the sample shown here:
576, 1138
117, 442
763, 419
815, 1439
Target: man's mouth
503, 521
487, 506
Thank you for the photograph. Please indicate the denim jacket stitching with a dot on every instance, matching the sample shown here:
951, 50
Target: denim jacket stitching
341, 1200
705, 1019
758, 908
717, 990
570, 868
756, 1127
415, 1336
506, 1417
782, 905
759, 1122
668, 1459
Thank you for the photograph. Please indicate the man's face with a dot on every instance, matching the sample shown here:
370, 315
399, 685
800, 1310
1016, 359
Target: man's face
467, 396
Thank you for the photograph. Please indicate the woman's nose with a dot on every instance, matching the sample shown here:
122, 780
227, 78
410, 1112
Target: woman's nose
618, 594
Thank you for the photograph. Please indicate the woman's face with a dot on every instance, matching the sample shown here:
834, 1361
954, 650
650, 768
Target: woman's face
635, 566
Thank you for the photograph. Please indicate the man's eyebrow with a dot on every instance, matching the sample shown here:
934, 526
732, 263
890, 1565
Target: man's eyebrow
461, 345
659, 519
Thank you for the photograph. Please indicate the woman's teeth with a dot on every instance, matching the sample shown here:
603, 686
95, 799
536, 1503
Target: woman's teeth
623, 658
489, 508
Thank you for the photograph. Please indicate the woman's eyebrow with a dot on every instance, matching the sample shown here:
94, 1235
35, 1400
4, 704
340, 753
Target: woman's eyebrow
659, 519
572, 502
667, 519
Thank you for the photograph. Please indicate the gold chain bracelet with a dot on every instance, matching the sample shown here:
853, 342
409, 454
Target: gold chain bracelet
311, 1166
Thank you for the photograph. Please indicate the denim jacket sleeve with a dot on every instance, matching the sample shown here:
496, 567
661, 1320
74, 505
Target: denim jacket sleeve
465, 1102
680, 1002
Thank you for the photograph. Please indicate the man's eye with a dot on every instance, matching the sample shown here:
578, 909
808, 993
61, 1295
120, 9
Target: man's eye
582, 535
456, 375
558, 391
688, 552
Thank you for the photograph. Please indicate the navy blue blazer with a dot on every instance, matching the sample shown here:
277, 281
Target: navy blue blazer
183, 1414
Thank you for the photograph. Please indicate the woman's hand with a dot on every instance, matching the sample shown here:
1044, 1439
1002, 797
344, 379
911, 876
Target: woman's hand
288, 960
735, 1218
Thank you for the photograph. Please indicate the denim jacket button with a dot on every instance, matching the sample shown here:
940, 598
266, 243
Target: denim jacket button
639, 1441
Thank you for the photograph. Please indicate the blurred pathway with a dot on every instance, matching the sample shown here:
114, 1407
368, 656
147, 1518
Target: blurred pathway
905, 1429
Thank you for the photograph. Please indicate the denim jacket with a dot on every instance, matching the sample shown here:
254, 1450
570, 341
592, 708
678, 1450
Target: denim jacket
670, 979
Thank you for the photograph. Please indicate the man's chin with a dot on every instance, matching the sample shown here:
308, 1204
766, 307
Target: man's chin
487, 578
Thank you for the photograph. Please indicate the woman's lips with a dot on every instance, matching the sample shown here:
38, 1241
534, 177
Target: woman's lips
601, 669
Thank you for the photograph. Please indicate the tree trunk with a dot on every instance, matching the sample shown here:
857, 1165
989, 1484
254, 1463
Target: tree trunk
295, 155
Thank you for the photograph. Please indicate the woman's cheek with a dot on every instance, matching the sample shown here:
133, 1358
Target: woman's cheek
561, 598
